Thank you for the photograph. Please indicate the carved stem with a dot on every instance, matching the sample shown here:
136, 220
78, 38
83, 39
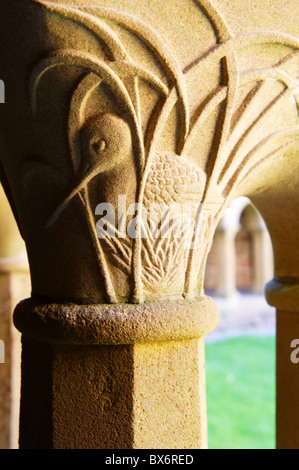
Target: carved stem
84, 197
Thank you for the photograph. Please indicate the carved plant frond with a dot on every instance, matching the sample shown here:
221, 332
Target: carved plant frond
120, 249
238, 42
272, 73
156, 44
149, 37
219, 24
89, 63
202, 114
223, 50
232, 165
76, 118
163, 248
225, 154
100, 256
258, 154
97, 27
126, 69
233, 157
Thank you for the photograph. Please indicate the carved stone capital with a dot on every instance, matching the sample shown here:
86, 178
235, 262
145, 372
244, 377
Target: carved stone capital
127, 130
116, 108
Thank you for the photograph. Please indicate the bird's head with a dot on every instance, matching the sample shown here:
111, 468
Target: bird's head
106, 141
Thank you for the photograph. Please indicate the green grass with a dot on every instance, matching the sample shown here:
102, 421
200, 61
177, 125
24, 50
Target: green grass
241, 393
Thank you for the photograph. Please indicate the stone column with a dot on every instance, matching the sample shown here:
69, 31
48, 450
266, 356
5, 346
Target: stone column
114, 377
226, 248
285, 297
14, 286
124, 137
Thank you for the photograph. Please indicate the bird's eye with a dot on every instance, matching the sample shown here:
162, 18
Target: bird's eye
99, 146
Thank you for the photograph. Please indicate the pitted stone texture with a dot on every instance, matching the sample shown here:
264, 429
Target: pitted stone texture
116, 324
142, 396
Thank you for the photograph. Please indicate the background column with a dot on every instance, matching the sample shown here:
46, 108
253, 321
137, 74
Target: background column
285, 297
14, 286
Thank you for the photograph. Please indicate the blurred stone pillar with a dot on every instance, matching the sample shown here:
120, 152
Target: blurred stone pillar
14, 286
262, 260
226, 249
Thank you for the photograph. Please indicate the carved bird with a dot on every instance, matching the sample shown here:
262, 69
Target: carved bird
173, 179
172, 182
106, 141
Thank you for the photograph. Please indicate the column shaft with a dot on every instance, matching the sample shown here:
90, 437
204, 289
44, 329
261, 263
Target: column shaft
114, 377
113, 397
287, 381
285, 297
13, 287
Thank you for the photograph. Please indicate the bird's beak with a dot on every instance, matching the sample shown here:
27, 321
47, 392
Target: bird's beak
84, 180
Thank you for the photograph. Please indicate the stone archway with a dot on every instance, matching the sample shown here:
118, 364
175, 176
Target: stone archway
259, 252
241, 256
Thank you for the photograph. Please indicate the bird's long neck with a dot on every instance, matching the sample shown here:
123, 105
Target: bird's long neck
110, 185
104, 187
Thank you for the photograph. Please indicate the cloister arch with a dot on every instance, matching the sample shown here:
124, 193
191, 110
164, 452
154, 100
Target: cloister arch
223, 265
